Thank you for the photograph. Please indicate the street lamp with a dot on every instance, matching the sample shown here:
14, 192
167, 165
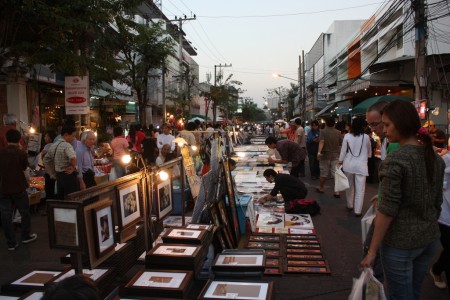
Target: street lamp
282, 76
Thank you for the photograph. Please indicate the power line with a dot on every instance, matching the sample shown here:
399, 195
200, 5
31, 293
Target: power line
292, 14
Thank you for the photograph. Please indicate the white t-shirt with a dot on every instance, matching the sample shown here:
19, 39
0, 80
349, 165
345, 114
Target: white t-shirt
163, 139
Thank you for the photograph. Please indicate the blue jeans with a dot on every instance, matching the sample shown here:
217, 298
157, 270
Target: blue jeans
404, 270
21, 202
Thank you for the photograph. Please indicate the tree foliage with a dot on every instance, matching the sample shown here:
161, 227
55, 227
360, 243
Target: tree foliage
251, 112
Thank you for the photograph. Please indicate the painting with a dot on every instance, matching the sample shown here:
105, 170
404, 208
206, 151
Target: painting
164, 202
65, 225
219, 289
128, 205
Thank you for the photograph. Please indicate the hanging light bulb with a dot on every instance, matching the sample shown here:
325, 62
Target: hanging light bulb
163, 175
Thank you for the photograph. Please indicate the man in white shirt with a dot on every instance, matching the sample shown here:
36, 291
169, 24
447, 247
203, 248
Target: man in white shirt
165, 138
300, 138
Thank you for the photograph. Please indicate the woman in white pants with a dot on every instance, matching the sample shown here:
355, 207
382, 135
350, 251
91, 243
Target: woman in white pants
354, 154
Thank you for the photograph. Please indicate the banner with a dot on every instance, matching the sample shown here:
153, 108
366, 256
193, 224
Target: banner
76, 95
189, 168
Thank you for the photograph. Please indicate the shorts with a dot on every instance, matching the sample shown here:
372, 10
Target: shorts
327, 167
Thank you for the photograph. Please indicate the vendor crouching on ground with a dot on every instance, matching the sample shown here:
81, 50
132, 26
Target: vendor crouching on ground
290, 187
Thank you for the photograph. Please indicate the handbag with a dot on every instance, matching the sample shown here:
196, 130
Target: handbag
340, 180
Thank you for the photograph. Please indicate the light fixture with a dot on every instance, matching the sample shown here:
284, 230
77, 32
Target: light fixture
32, 130
435, 111
126, 158
193, 147
180, 141
163, 175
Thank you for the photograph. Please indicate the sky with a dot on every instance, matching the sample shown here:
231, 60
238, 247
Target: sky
260, 37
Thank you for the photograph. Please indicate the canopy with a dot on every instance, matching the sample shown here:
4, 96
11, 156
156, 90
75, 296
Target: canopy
193, 116
196, 118
362, 107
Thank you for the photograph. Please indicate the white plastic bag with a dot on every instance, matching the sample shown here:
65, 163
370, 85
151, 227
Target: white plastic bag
367, 287
340, 180
366, 221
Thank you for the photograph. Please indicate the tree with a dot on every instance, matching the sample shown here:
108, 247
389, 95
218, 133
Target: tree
223, 95
251, 112
142, 48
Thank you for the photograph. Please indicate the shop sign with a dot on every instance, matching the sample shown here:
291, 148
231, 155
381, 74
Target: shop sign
76, 95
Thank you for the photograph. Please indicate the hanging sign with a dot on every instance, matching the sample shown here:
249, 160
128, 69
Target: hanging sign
76, 95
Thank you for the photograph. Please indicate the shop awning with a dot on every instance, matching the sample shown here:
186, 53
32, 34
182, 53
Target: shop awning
324, 110
192, 116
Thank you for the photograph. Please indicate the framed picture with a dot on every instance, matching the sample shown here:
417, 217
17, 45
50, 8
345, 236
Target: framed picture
103, 229
304, 256
239, 262
128, 203
164, 283
298, 245
272, 253
301, 236
231, 199
301, 221
200, 226
220, 289
308, 241
273, 262
273, 272
225, 222
309, 263
94, 274
169, 255
263, 245
264, 238
33, 295
222, 231
313, 270
303, 251
270, 220
65, 225
164, 200
184, 236
36, 278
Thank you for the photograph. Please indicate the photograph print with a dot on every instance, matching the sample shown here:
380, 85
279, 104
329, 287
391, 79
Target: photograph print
104, 229
129, 203
164, 199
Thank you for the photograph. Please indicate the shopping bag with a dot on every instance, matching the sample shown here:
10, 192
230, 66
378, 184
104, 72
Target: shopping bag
366, 221
340, 180
367, 287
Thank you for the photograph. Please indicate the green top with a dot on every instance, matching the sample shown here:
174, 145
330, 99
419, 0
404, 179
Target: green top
407, 196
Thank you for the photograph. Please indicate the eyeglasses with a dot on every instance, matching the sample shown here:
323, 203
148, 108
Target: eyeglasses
374, 124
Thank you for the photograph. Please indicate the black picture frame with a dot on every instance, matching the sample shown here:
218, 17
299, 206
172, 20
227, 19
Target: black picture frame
128, 204
65, 225
164, 199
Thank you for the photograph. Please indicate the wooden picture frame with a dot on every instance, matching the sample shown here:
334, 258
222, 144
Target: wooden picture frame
164, 283
33, 295
36, 278
273, 262
273, 271
303, 251
102, 219
65, 225
94, 274
208, 227
164, 199
180, 255
222, 231
263, 245
290, 256
307, 263
232, 200
231, 262
222, 209
264, 238
128, 204
223, 289
272, 253
184, 236
308, 270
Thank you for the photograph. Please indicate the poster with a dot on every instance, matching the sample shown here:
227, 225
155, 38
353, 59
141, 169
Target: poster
189, 168
76, 91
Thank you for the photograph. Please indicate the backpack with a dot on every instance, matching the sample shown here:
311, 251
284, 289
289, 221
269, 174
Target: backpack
303, 206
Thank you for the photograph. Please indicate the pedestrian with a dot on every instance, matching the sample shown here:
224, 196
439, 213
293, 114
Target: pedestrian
63, 156
49, 181
135, 137
373, 118
119, 146
312, 145
406, 227
355, 151
328, 154
371, 162
290, 187
13, 189
9, 122
289, 152
150, 149
85, 160
437, 135
300, 138
166, 138
443, 263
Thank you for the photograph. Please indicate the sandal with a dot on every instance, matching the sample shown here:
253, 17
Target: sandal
319, 191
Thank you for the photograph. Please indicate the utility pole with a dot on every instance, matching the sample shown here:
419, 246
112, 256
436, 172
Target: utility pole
180, 48
163, 92
303, 86
215, 87
421, 76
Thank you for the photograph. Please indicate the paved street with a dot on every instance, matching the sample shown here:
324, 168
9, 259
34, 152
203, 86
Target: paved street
339, 233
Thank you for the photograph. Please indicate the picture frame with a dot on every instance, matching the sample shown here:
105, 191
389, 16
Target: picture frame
36, 278
308, 270
164, 283
302, 245
184, 236
272, 253
304, 256
239, 262
222, 232
94, 274
221, 289
301, 236
263, 245
208, 227
103, 229
231, 199
65, 225
264, 238
306, 241
32, 295
164, 199
128, 204
307, 263
303, 251
222, 209
273, 272
273, 262
167, 255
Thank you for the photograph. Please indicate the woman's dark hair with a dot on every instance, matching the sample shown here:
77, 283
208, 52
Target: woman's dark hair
118, 131
132, 133
315, 122
341, 126
406, 120
330, 121
191, 126
270, 140
358, 125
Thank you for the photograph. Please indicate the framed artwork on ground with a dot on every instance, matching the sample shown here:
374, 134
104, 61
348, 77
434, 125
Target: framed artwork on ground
221, 232
65, 225
231, 199
128, 203
220, 289
164, 199
184, 236
103, 229
239, 262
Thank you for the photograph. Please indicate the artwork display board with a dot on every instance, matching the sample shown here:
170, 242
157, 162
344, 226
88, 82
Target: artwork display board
232, 197
184, 236
222, 234
239, 262
194, 181
65, 225
164, 283
220, 289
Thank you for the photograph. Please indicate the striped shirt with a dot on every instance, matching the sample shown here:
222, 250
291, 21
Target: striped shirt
64, 153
